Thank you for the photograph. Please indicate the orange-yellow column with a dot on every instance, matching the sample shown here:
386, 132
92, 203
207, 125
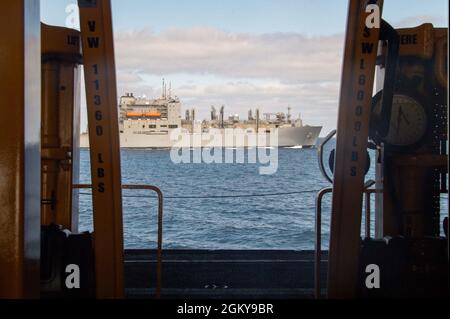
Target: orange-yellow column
358, 72
101, 95
20, 113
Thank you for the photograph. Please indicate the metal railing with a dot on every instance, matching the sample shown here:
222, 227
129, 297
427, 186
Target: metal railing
160, 227
318, 229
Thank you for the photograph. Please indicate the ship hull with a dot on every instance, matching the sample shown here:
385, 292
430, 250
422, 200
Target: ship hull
287, 137
299, 136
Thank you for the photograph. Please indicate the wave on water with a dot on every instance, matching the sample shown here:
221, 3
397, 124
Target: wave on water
298, 147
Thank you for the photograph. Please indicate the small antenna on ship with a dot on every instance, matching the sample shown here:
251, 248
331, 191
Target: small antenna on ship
164, 91
289, 114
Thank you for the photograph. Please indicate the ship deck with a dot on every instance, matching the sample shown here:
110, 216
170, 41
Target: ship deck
224, 274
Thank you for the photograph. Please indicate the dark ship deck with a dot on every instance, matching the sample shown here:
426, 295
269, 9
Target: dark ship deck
203, 274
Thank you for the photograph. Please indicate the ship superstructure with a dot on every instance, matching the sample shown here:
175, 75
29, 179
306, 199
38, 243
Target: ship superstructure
141, 116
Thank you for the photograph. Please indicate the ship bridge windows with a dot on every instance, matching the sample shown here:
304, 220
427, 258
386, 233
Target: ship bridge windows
173, 126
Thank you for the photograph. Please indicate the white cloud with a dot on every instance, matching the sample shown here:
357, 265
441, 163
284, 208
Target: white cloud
240, 71
287, 57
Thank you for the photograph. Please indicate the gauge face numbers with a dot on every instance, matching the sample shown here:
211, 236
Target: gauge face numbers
408, 121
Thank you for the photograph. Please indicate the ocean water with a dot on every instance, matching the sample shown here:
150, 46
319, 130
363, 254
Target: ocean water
262, 222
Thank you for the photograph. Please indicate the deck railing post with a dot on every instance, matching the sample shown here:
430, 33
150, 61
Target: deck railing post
160, 227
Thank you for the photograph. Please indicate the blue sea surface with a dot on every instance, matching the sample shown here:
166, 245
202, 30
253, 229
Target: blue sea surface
263, 222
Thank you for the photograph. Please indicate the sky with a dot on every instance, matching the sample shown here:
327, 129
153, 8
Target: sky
244, 54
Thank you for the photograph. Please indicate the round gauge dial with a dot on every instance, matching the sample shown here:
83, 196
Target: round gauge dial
408, 123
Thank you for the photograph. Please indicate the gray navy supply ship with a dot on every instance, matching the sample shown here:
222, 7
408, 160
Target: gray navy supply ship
146, 123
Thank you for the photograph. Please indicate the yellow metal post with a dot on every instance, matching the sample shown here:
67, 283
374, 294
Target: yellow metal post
101, 94
351, 145
20, 57
61, 57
